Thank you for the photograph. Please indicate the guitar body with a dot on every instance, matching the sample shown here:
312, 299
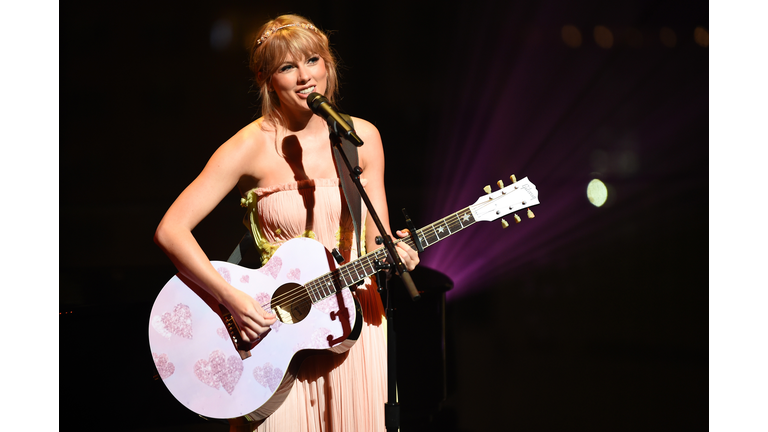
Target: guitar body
196, 355
197, 359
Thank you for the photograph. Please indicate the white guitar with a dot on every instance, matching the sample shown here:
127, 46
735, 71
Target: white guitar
194, 341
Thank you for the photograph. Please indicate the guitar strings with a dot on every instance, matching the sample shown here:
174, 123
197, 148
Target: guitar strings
302, 292
315, 285
298, 292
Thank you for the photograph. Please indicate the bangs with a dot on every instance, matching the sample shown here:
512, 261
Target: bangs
297, 43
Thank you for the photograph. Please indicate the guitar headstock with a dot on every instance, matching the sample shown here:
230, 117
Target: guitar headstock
521, 194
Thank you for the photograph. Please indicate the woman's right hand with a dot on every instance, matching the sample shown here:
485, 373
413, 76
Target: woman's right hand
251, 318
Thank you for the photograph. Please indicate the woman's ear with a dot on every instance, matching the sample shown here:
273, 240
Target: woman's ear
260, 77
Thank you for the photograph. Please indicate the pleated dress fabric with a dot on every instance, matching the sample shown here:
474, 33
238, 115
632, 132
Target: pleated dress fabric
337, 392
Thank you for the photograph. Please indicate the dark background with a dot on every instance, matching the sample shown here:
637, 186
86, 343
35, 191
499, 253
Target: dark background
582, 318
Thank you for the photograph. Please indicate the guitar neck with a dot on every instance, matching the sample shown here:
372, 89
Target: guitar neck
431, 234
355, 271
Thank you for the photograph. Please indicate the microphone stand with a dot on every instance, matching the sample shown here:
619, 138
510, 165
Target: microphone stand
391, 407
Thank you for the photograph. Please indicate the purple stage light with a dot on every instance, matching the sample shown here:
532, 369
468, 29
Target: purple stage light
530, 105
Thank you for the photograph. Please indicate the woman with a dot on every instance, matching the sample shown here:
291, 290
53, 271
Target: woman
283, 166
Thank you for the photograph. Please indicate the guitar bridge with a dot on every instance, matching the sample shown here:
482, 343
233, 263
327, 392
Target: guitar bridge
243, 348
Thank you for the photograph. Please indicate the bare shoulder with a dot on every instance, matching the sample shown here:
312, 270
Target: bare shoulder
240, 151
372, 151
247, 141
253, 148
370, 136
366, 130
234, 160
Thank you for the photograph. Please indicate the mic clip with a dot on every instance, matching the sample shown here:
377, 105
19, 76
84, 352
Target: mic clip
337, 125
341, 132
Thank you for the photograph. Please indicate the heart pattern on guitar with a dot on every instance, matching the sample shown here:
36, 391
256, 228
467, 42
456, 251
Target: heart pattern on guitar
317, 340
268, 376
225, 274
178, 322
219, 370
294, 274
272, 267
164, 367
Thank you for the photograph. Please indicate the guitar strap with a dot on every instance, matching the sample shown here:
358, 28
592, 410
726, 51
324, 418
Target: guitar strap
351, 195
245, 244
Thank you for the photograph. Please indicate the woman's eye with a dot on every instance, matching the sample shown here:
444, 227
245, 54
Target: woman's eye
313, 60
286, 68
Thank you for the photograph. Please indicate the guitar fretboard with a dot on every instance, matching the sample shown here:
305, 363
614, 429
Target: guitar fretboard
355, 271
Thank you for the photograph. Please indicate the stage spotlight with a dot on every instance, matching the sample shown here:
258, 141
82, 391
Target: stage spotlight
701, 36
603, 37
597, 193
571, 36
668, 37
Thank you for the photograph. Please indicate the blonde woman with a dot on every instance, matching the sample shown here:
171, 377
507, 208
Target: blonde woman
283, 166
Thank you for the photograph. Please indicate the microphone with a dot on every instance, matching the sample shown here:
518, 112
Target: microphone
320, 105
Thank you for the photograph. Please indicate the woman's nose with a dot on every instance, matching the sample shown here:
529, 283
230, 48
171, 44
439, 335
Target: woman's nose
304, 74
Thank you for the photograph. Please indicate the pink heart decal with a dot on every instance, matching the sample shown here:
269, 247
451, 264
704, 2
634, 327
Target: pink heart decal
164, 367
179, 322
244, 279
331, 304
219, 371
268, 376
272, 267
317, 340
222, 332
224, 272
294, 274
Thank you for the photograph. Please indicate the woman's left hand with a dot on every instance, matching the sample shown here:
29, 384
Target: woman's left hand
408, 255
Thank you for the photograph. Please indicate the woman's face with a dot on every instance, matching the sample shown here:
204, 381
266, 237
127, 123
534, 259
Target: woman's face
295, 80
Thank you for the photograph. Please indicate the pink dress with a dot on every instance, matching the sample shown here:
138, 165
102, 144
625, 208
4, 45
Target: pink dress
339, 392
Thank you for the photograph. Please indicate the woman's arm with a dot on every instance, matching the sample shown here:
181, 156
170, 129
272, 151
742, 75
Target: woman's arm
372, 163
174, 234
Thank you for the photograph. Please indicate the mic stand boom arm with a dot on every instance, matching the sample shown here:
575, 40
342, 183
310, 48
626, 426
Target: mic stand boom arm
393, 255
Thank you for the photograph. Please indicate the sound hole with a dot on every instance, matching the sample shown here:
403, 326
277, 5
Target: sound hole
291, 303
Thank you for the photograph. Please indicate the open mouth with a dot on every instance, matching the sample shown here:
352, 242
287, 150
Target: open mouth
307, 90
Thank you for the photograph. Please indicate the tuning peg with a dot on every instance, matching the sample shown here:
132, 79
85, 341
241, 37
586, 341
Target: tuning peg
512, 177
504, 223
530, 214
517, 218
487, 189
501, 184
